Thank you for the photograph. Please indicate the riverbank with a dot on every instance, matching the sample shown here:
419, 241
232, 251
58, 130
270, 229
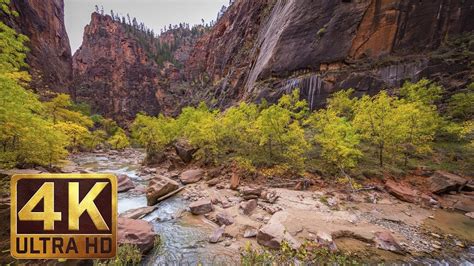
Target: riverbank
371, 225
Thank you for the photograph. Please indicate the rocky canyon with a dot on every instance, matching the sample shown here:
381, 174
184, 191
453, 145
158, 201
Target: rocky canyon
256, 50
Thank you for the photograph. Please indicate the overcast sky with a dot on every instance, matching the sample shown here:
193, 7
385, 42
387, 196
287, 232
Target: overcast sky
154, 13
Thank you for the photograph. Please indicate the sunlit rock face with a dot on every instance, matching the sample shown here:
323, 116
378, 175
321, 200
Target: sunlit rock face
50, 57
262, 50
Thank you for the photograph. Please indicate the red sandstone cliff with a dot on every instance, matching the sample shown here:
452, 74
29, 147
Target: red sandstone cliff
50, 57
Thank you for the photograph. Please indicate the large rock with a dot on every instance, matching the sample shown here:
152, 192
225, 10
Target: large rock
441, 182
384, 240
191, 176
402, 191
224, 218
124, 183
184, 150
248, 206
217, 235
159, 187
136, 232
201, 207
273, 234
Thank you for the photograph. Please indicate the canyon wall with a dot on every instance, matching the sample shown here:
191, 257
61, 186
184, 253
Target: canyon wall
50, 57
322, 46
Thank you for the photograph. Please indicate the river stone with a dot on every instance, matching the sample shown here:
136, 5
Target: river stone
217, 235
136, 232
213, 182
201, 207
442, 182
384, 240
470, 215
224, 218
191, 176
158, 187
273, 234
248, 206
124, 183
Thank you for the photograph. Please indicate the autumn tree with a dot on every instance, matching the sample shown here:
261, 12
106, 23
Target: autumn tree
119, 140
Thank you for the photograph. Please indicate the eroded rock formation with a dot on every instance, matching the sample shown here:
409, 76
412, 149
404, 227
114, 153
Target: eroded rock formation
323, 46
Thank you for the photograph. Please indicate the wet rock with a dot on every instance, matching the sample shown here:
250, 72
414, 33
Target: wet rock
159, 187
138, 213
234, 181
213, 182
384, 240
124, 183
224, 218
248, 206
442, 182
402, 191
465, 204
217, 235
250, 232
191, 176
201, 207
136, 232
184, 150
272, 234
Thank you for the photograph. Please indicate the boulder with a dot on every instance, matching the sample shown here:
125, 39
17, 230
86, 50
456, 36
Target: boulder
234, 181
325, 239
384, 240
158, 187
402, 191
248, 206
465, 204
201, 207
184, 150
442, 182
124, 183
224, 218
217, 235
273, 234
136, 232
470, 215
191, 176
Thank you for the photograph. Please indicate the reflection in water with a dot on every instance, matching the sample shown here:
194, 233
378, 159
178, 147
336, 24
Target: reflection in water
184, 236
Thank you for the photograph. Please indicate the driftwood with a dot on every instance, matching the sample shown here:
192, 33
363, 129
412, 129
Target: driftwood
141, 213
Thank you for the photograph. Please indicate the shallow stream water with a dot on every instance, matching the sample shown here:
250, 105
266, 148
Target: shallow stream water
184, 237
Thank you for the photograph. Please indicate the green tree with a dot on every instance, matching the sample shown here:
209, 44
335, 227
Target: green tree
460, 105
119, 140
77, 135
59, 109
424, 91
376, 121
201, 128
94, 139
154, 133
338, 139
342, 103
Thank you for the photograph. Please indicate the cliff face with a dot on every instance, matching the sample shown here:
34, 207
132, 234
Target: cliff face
323, 46
50, 57
121, 70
